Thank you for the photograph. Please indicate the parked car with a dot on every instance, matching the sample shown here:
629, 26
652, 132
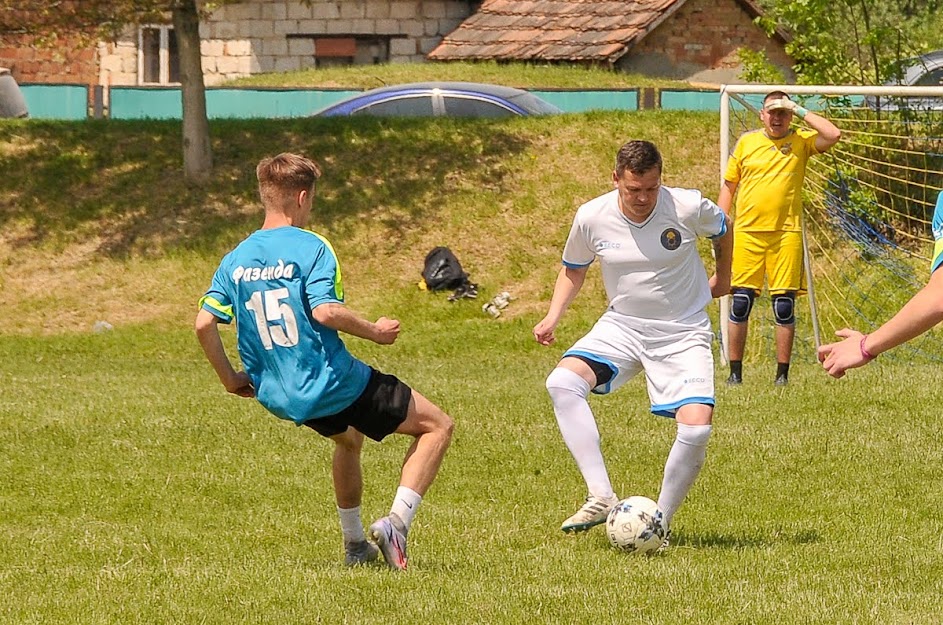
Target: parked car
921, 71
12, 103
442, 99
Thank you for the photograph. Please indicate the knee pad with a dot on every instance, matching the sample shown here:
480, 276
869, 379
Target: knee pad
784, 308
742, 304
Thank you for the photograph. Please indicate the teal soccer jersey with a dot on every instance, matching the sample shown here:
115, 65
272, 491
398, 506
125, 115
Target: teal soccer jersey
269, 284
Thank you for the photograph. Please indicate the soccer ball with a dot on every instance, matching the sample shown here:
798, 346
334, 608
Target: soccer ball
636, 525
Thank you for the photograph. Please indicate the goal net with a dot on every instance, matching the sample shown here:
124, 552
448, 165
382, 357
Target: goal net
868, 207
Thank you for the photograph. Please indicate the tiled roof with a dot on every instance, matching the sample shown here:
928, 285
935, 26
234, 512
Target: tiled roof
556, 30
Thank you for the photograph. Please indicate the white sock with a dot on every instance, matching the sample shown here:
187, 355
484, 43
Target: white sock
568, 392
351, 525
405, 504
684, 463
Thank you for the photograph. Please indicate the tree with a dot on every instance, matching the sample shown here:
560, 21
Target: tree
197, 151
105, 19
852, 41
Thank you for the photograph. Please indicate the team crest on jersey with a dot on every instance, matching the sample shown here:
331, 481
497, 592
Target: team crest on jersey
671, 239
786, 148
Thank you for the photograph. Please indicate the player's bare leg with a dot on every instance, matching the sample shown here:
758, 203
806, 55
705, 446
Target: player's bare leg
785, 336
736, 345
432, 429
348, 491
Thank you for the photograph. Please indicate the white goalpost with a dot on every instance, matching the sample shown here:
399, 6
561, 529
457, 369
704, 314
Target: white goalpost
867, 206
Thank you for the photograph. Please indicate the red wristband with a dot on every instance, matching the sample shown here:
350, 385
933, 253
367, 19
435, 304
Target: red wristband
864, 352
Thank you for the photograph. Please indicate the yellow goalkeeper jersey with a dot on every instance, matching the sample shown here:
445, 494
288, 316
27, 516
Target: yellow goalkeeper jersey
769, 175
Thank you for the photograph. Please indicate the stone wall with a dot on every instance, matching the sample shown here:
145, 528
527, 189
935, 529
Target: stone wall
258, 36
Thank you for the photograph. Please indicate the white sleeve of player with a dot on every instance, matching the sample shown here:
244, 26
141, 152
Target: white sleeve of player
711, 222
577, 252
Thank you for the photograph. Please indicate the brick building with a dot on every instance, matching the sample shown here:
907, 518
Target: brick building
694, 40
70, 60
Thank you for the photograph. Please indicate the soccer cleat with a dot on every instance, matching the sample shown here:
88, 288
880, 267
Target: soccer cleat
734, 379
664, 544
391, 541
781, 380
591, 514
359, 552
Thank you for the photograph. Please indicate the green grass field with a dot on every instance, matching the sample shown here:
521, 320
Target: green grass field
134, 490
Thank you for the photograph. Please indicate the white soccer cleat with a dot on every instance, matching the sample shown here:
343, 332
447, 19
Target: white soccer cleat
591, 514
391, 541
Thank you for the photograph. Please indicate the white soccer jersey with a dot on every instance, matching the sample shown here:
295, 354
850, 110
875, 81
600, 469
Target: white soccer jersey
650, 270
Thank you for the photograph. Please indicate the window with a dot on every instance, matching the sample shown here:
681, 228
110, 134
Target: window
158, 57
933, 78
468, 106
338, 51
408, 106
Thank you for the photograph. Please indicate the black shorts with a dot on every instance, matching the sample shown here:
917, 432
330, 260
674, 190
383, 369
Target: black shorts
603, 372
379, 410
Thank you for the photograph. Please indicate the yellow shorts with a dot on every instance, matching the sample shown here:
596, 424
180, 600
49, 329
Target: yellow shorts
777, 256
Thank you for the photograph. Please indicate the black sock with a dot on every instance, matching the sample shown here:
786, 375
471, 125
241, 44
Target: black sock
736, 368
782, 370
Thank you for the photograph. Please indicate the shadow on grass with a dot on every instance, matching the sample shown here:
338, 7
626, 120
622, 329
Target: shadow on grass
120, 183
755, 540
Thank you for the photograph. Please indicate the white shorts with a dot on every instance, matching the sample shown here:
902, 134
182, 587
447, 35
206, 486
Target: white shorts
676, 357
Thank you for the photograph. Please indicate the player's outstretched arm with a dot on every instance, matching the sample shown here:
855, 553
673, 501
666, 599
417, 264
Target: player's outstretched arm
338, 317
569, 282
207, 332
836, 358
922, 312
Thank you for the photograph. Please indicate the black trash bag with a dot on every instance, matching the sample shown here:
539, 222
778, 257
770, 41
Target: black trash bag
442, 272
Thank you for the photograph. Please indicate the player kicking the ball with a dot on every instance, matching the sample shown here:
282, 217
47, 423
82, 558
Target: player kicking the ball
282, 286
645, 237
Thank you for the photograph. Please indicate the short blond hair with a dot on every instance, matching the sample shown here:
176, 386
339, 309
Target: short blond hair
281, 177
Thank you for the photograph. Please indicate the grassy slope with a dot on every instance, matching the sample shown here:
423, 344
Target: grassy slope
104, 210
523, 76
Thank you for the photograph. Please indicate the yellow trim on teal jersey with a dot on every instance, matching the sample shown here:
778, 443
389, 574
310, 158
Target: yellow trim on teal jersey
937, 251
215, 304
338, 280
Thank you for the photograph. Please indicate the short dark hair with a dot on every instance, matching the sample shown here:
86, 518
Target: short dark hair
775, 94
638, 157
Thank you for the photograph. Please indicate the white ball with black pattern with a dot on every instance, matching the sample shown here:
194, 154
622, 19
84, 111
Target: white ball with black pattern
636, 525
